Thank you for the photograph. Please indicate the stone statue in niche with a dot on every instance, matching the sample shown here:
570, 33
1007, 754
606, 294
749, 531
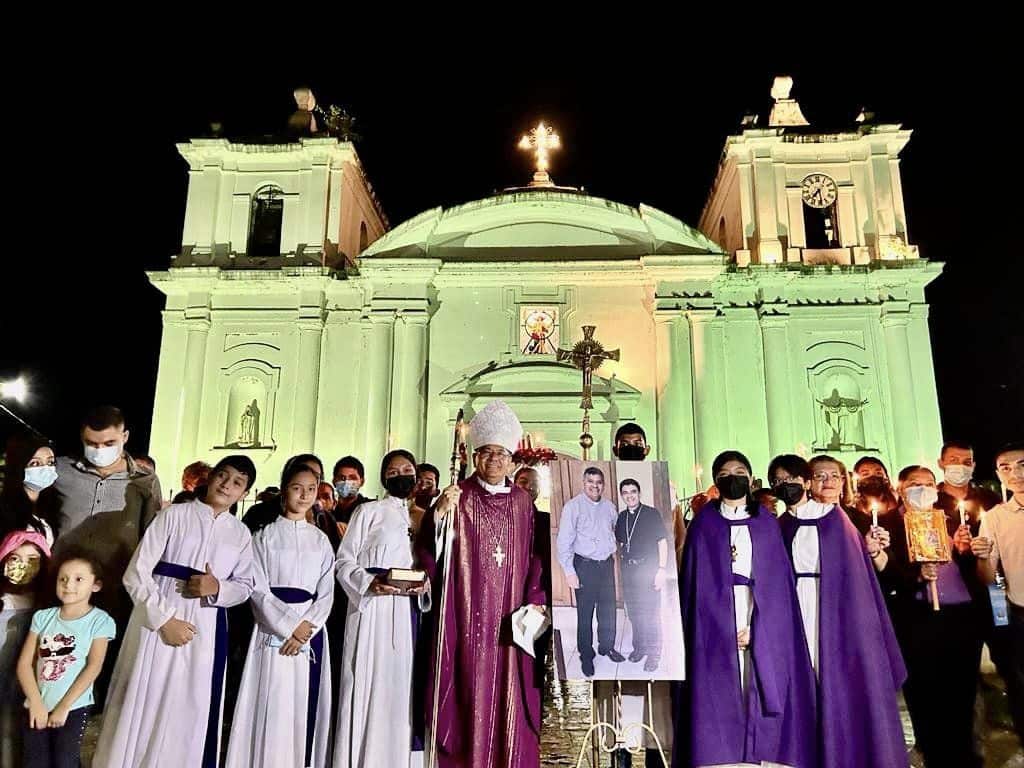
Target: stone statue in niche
249, 435
839, 412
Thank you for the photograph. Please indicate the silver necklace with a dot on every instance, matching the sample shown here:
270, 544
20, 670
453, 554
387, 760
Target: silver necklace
629, 530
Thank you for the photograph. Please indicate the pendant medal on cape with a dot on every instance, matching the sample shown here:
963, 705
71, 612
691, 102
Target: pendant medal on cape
732, 551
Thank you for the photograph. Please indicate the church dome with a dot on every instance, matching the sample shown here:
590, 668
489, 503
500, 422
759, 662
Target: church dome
540, 225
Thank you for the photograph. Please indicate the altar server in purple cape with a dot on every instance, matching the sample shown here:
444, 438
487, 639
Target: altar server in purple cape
849, 635
750, 698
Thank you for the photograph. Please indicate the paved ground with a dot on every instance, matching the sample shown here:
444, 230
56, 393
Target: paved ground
567, 712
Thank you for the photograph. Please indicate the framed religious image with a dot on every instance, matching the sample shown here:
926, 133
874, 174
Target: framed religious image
615, 589
927, 537
538, 330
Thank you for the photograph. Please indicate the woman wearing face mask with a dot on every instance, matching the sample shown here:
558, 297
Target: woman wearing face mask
750, 692
24, 556
29, 500
375, 701
874, 492
942, 648
849, 634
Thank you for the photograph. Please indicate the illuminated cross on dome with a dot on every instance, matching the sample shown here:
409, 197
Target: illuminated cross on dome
540, 141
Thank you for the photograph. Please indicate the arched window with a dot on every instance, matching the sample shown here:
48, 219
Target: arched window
265, 218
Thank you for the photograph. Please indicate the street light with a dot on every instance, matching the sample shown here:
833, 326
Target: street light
14, 390
17, 389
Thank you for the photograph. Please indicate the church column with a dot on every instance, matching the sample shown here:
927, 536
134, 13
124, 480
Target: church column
198, 322
675, 399
774, 331
769, 249
311, 328
168, 401
710, 402
380, 344
902, 414
926, 397
408, 398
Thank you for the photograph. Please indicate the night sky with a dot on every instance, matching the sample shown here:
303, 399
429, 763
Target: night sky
101, 188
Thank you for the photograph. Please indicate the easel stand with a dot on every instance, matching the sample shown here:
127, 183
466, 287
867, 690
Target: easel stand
600, 729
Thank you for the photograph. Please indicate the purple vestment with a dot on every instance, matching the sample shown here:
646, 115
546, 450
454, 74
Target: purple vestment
860, 668
718, 723
489, 702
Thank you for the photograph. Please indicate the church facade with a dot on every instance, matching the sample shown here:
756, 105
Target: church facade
791, 319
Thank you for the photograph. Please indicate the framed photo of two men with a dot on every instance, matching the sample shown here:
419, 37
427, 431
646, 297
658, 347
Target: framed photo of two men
615, 589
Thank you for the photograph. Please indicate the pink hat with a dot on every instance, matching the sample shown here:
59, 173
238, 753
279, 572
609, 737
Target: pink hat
15, 539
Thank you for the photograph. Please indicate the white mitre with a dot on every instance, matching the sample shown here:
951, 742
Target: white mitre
496, 424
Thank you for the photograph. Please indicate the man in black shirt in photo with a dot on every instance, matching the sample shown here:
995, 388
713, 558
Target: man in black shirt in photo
643, 554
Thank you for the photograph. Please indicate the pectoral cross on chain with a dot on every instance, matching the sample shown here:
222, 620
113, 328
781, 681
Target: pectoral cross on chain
499, 555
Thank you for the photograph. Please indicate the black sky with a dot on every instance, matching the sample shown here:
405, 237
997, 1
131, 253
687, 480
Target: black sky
101, 188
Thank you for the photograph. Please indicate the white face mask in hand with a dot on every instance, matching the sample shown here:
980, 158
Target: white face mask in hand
922, 496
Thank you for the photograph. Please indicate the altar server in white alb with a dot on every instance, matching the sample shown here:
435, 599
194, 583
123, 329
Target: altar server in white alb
375, 709
166, 696
283, 713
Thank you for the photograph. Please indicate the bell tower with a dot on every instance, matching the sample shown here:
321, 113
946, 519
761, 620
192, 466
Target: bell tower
793, 193
823, 285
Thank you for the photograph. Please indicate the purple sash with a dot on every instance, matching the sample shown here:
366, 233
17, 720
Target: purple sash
220, 658
296, 595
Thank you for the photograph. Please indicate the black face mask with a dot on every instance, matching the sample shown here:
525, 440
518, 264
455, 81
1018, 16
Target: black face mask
873, 486
400, 486
629, 452
788, 493
733, 486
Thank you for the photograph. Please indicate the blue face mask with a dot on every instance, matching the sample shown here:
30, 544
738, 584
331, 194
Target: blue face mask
40, 478
346, 489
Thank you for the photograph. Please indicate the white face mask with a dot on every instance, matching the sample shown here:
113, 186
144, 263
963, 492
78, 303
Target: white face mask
958, 474
922, 496
102, 457
40, 478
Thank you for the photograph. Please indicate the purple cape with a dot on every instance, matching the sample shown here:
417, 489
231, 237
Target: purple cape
489, 702
716, 723
860, 668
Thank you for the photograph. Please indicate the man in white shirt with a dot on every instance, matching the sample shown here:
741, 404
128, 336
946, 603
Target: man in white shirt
1000, 543
586, 548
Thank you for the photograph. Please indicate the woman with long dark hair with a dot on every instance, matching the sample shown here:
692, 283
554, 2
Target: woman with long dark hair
375, 702
750, 696
283, 712
29, 501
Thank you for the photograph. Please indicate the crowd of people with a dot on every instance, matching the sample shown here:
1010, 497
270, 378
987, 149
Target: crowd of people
324, 628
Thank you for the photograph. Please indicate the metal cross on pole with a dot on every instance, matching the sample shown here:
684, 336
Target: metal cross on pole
587, 355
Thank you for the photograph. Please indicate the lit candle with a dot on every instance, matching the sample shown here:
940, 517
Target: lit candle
963, 514
874, 514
